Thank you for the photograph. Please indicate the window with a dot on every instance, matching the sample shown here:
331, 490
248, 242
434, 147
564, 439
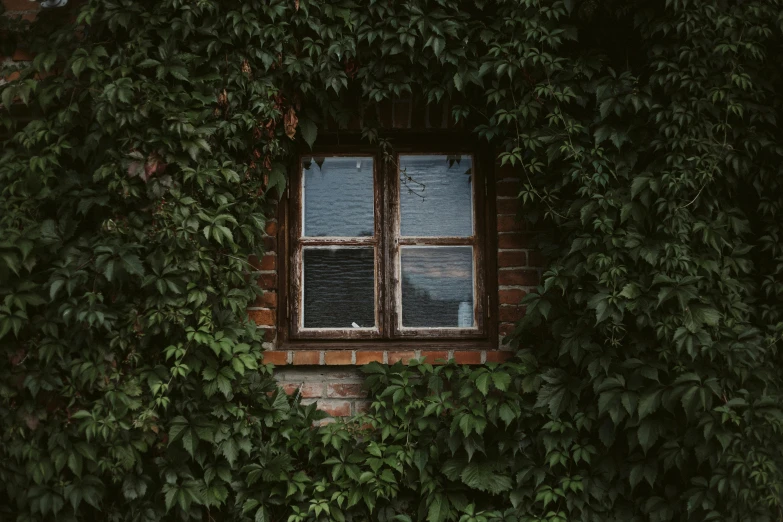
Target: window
386, 248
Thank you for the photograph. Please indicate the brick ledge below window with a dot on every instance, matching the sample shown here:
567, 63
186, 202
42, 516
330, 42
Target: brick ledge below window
361, 357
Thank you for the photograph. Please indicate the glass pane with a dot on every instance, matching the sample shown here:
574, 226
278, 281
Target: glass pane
339, 287
338, 197
437, 287
436, 196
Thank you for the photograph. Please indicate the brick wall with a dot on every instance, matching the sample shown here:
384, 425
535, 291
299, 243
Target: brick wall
27, 9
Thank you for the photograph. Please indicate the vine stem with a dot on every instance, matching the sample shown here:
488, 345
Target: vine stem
522, 163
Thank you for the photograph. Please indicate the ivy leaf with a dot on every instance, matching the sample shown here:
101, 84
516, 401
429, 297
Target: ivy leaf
458, 81
648, 433
132, 264
438, 509
482, 383
309, 131
649, 403
506, 414
501, 380
277, 179
703, 314
190, 442
482, 475
230, 450
261, 515
133, 487
438, 44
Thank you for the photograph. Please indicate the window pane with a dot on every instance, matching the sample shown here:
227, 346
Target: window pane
437, 287
339, 287
436, 196
338, 197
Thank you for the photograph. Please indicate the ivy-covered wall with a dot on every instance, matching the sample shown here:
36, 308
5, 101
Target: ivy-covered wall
517, 272
143, 149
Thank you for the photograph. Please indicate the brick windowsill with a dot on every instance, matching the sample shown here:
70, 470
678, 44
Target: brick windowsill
360, 357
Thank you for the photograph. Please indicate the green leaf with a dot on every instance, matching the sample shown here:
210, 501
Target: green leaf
501, 380
438, 509
309, 131
482, 383
506, 414
230, 450
133, 487
649, 403
132, 264
190, 441
483, 475
261, 515
648, 433
458, 81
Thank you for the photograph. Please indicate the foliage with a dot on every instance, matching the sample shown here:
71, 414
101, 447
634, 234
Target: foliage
147, 141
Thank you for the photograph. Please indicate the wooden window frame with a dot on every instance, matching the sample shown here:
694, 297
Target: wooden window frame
388, 333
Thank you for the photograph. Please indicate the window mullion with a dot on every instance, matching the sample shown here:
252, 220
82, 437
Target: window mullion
390, 250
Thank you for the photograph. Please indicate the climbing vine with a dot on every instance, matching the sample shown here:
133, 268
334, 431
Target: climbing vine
145, 146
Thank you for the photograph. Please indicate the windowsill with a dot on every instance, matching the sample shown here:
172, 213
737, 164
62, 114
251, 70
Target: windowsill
344, 354
388, 345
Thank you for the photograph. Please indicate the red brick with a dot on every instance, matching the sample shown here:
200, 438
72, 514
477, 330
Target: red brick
498, 356
267, 281
509, 224
267, 262
520, 277
511, 313
307, 357
511, 296
21, 5
306, 390
335, 408
506, 172
535, 259
517, 240
271, 228
20, 55
507, 189
348, 391
270, 244
468, 357
269, 334
13, 76
508, 206
262, 317
505, 329
338, 357
512, 258
368, 357
362, 407
405, 357
435, 357
277, 358
266, 300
